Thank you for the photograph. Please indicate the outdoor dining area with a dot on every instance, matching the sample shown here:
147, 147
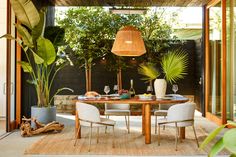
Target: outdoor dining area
120, 80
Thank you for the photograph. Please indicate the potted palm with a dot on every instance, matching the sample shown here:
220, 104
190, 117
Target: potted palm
173, 66
42, 62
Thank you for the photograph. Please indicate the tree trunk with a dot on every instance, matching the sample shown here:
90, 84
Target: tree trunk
119, 79
88, 76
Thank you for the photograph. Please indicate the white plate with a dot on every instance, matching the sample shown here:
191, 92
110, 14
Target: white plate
115, 98
167, 98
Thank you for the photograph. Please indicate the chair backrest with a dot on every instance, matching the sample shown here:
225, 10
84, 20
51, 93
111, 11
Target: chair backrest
117, 106
180, 112
165, 106
87, 112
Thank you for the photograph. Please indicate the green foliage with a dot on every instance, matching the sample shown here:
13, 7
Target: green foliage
26, 13
227, 141
55, 34
148, 71
89, 31
173, 65
46, 50
43, 63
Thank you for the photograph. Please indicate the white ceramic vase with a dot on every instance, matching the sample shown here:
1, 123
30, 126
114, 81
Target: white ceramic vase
160, 86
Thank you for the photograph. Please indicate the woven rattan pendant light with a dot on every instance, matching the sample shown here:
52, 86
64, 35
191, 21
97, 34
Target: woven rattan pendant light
128, 42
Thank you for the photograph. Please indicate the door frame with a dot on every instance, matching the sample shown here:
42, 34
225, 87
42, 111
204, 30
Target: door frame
209, 115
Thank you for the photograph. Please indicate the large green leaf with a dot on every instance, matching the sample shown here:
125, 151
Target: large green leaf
25, 66
55, 34
148, 71
229, 140
8, 36
38, 30
26, 12
212, 135
46, 50
219, 145
174, 65
26, 37
37, 59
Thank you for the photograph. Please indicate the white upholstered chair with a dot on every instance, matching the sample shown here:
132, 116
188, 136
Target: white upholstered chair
89, 116
162, 110
179, 115
119, 110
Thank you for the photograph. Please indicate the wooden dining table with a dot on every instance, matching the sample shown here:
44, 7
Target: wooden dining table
146, 110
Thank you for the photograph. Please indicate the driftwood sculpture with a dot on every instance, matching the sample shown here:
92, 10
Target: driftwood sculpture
26, 129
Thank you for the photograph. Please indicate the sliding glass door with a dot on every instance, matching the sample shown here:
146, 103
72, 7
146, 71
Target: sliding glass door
215, 90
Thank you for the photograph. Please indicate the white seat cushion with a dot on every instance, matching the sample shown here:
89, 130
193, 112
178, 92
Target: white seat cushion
108, 121
173, 124
117, 112
105, 121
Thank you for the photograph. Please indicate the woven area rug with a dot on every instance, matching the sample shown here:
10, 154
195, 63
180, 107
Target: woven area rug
125, 144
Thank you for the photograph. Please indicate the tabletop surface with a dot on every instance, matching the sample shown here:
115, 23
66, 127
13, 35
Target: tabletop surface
134, 100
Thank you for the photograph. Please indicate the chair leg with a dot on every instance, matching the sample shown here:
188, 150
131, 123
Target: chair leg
155, 124
97, 134
107, 116
77, 135
176, 136
195, 136
128, 124
113, 139
164, 125
90, 136
159, 134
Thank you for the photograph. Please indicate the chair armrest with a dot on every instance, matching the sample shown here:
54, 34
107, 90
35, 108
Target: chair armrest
167, 122
100, 123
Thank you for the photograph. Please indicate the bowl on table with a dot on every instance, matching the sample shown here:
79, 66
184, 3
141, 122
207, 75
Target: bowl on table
145, 96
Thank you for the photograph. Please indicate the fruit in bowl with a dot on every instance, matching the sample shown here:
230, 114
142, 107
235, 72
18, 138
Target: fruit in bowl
145, 96
122, 91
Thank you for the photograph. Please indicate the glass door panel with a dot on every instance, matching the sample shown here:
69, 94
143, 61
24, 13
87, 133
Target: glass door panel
215, 60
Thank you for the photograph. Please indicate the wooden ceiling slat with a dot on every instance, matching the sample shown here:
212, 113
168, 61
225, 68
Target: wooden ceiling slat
136, 3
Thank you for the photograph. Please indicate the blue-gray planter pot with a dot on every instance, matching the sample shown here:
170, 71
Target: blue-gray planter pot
44, 115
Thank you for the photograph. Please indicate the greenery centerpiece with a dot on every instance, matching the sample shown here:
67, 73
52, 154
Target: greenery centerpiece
42, 62
173, 67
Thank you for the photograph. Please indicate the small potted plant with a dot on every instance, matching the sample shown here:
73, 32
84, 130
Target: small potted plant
173, 67
42, 62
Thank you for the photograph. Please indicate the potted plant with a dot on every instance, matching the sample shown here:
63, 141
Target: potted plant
42, 62
173, 66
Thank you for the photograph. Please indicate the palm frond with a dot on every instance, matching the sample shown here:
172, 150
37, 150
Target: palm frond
148, 71
174, 65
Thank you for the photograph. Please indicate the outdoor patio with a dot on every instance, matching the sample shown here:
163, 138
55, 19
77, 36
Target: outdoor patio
117, 78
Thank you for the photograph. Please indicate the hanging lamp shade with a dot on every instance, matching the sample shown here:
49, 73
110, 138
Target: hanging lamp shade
128, 42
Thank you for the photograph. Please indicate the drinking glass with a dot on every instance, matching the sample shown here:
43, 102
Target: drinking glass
149, 89
175, 88
115, 88
106, 89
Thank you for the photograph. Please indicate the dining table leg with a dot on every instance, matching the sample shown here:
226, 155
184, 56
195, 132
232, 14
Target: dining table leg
77, 134
143, 119
182, 132
147, 123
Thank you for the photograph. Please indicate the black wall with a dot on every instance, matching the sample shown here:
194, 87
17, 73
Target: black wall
74, 77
